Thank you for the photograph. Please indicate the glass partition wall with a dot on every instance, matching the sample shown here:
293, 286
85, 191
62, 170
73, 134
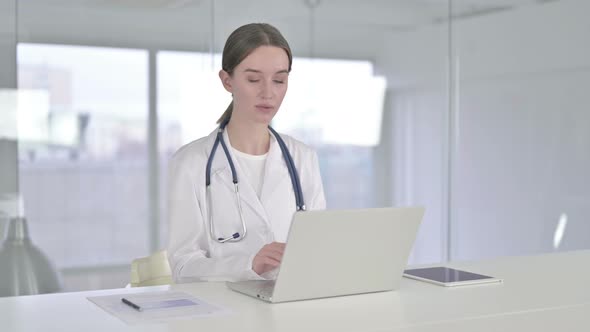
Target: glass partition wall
473, 109
521, 131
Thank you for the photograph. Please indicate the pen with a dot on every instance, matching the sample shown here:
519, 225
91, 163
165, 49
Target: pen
131, 304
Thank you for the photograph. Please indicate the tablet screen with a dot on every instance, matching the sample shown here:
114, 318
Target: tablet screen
445, 274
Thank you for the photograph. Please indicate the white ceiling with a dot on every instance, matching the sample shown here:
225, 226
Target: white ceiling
388, 14
193, 24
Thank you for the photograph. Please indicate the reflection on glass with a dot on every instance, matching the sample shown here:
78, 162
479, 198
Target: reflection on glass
24, 115
559, 231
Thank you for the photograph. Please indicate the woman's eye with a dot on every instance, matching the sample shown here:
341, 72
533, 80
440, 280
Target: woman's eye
253, 81
279, 81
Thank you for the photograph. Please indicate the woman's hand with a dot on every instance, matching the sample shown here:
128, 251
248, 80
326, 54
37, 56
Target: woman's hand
268, 258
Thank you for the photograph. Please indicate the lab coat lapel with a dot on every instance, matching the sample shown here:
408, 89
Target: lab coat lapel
275, 171
222, 171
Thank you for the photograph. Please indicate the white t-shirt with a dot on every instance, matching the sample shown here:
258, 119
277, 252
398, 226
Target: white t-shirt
253, 167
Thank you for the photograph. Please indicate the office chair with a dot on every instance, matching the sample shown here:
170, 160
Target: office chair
151, 270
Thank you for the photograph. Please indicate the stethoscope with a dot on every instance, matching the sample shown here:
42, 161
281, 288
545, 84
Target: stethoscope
292, 173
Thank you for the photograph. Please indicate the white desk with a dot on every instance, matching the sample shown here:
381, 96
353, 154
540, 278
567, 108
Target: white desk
540, 293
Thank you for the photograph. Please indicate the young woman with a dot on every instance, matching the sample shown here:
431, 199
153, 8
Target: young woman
233, 193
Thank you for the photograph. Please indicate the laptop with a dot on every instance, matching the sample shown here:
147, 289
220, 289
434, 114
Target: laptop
340, 252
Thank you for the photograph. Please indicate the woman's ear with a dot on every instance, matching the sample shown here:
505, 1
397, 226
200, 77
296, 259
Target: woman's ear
225, 80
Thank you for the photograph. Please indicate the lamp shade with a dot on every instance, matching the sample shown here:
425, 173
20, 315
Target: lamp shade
24, 269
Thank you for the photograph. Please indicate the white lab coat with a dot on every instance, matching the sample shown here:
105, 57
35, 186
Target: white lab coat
192, 254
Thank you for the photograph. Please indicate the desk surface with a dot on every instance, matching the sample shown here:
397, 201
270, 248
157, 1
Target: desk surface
540, 293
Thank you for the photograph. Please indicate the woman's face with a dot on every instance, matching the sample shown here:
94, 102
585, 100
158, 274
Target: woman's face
258, 84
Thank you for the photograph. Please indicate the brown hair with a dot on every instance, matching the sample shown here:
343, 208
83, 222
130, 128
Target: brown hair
242, 42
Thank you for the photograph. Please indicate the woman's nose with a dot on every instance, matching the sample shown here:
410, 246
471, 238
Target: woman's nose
266, 90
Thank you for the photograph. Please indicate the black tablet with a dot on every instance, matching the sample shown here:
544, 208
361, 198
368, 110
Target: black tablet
445, 276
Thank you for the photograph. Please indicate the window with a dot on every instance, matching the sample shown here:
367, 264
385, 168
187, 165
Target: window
83, 161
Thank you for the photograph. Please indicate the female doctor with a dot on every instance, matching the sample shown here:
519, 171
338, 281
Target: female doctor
233, 193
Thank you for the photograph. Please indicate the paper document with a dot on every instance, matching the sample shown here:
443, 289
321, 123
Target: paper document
161, 306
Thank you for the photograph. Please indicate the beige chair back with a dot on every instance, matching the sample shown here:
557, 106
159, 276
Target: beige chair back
151, 271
